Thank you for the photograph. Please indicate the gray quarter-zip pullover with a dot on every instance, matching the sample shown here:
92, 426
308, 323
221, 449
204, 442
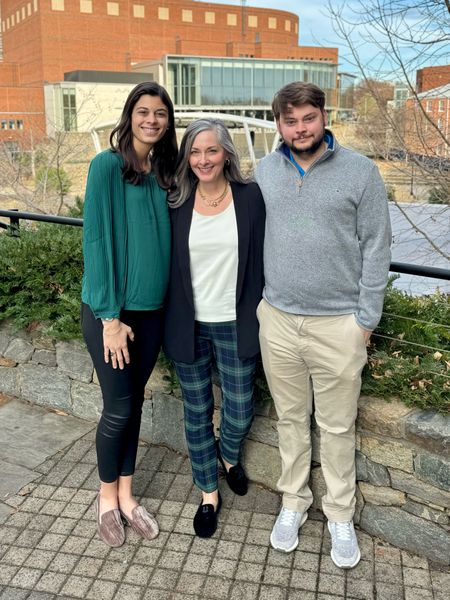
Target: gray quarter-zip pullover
328, 234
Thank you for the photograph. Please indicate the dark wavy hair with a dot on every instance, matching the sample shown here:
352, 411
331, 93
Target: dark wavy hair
164, 153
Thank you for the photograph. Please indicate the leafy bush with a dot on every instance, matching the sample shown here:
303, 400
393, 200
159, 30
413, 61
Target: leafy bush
410, 354
41, 278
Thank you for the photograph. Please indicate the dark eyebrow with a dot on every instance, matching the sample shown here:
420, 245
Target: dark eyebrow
162, 109
208, 148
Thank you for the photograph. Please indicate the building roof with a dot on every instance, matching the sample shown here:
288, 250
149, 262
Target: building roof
443, 91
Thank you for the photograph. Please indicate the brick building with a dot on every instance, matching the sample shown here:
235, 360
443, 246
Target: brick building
432, 77
428, 134
43, 40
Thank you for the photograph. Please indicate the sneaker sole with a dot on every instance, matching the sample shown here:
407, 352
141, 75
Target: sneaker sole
340, 565
294, 546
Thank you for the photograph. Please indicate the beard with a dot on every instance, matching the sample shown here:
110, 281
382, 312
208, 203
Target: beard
307, 151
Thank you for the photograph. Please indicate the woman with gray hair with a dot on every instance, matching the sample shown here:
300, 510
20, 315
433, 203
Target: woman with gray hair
216, 283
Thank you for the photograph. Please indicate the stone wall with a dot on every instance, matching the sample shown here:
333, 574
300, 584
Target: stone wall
403, 454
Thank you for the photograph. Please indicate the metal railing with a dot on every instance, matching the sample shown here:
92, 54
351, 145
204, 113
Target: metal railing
15, 217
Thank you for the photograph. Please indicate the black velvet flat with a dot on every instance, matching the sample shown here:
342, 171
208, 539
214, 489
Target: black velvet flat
236, 478
205, 520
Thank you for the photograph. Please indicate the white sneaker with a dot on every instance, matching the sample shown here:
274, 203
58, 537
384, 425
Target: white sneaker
344, 545
284, 534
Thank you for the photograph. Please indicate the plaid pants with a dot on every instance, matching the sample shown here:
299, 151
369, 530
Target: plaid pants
215, 342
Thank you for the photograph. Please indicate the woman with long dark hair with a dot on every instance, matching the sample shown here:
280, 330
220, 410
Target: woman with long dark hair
126, 246
216, 283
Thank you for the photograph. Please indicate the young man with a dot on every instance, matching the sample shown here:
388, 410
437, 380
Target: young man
326, 262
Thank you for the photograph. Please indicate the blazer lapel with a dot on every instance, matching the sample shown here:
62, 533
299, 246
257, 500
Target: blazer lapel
243, 227
181, 233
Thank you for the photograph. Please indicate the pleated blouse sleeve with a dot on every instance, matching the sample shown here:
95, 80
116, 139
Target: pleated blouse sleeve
104, 237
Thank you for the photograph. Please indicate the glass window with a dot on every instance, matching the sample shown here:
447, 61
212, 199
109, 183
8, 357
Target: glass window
272, 23
210, 18
69, 109
86, 6
441, 105
112, 9
252, 21
188, 79
183, 82
186, 16
12, 124
240, 81
429, 106
19, 124
216, 74
4, 124
56, 5
138, 11
231, 20
163, 13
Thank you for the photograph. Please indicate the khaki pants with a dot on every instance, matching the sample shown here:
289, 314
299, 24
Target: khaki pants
321, 356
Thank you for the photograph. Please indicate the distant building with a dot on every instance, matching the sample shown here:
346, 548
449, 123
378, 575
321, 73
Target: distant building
346, 96
432, 77
401, 94
205, 54
428, 134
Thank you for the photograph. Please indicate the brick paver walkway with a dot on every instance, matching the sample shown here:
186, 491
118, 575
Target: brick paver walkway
49, 548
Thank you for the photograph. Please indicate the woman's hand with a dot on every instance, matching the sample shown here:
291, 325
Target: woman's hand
115, 342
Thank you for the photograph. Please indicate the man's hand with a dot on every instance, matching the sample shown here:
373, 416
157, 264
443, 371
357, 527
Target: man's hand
366, 333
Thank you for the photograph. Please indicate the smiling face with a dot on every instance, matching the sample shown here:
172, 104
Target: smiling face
303, 128
149, 122
207, 157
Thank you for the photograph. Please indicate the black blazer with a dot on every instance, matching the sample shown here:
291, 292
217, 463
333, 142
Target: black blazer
179, 334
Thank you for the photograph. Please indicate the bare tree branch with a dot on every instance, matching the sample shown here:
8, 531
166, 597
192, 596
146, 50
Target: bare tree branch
403, 37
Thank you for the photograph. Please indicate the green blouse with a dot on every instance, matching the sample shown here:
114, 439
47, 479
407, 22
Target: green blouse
126, 240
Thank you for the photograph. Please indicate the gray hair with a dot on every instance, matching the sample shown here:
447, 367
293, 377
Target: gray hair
184, 177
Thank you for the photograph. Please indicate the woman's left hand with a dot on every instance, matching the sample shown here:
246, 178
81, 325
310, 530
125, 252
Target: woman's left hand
115, 342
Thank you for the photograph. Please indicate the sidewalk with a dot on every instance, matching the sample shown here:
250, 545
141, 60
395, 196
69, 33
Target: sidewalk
49, 548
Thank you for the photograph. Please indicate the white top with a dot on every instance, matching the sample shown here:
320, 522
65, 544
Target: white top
213, 249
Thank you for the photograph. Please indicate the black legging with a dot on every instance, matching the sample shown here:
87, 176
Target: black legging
122, 390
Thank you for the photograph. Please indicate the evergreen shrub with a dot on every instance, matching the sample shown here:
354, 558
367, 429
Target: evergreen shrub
40, 280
